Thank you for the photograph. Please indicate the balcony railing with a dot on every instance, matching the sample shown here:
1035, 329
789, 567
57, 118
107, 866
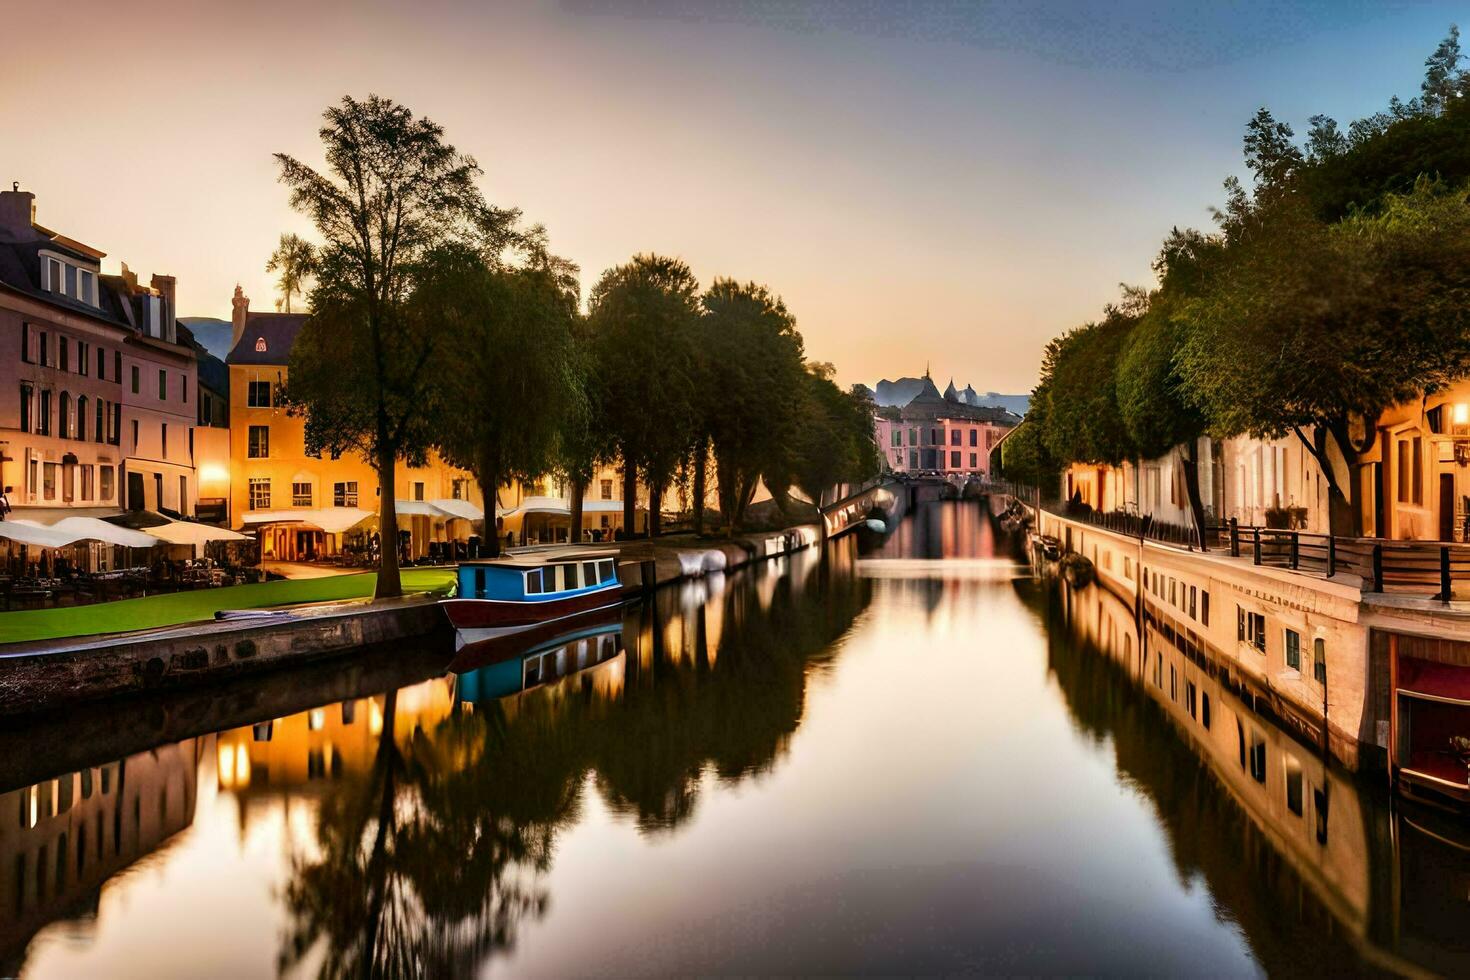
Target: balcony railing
1412, 568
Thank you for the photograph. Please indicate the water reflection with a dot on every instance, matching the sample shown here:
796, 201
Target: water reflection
911, 759
1320, 870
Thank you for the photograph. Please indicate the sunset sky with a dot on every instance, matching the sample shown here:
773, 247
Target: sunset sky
922, 181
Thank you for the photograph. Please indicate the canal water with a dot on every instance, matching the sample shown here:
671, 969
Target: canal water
905, 756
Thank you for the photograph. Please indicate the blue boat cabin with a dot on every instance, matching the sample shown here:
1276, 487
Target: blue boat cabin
508, 582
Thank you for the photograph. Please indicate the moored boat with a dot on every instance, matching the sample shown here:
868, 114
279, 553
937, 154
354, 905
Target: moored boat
508, 595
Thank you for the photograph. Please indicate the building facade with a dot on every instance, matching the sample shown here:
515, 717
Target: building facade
99, 413
937, 433
304, 506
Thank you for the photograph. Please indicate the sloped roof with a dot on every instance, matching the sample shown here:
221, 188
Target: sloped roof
267, 338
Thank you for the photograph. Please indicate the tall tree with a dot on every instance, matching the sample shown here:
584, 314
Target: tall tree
394, 204
834, 442
752, 396
1152, 400
512, 384
295, 260
643, 318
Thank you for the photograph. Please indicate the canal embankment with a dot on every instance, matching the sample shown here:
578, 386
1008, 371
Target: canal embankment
1382, 681
46, 674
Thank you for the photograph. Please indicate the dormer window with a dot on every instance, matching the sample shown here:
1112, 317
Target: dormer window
260, 345
69, 279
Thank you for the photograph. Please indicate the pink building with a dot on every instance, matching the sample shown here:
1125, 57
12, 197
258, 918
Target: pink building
940, 433
102, 394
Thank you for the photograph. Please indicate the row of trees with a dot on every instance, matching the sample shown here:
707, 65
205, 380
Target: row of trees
1334, 288
441, 323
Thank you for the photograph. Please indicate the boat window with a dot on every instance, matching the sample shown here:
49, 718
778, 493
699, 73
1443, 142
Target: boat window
589, 573
607, 569
533, 582
569, 576
548, 576
480, 582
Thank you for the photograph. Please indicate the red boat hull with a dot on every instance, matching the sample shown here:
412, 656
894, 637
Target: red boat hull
476, 614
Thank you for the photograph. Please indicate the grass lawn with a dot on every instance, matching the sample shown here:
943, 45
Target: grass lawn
173, 608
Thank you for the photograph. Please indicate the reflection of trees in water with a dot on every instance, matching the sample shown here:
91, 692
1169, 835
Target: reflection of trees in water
1210, 836
427, 863
731, 709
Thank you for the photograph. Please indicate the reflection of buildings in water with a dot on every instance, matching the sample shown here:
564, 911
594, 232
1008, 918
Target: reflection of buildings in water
1361, 863
326, 742
941, 529
61, 839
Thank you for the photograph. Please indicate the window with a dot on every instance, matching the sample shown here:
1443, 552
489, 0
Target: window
1294, 786
82, 417
896, 437
344, 494
955, 437
569, 577
84, 358
607, 488
974, 437
45, 427
418, 491
106, 483
300, 494
1173, 684
184, 388
25, 342
135, 379
1319, 660
606, 572
260, 493
48, 478
32, 482
460, 489
135, 435
99, 433
533, 582
102, 365
1204, 607
116, 436
63, 416
45, 348
162, 384
913, 460
1418, 481
1193, 602
163, 440
1191, 697
974, 461
1173, 592
117, 366
25, 408
954, 460
1204, 709
88, 480
1250, 628
87, 286
63, 353
1293, 650
258, 394
259, 442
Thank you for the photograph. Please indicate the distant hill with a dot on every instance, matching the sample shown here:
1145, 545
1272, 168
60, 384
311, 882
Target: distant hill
213, 333
901, 392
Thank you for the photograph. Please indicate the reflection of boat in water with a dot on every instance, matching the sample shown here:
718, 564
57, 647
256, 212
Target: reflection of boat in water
493, 668
508, 595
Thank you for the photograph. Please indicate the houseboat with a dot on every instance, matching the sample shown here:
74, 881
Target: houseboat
486, 672
509, 595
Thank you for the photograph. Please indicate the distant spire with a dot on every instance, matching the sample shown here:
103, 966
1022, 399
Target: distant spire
926, 369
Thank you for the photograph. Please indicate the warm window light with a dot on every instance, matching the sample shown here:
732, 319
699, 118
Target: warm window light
1462, 413
316, 719
213, 472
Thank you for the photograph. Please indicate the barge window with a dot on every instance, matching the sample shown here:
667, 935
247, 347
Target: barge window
533, 582
589, 573
569, 577
606, 565
480, 582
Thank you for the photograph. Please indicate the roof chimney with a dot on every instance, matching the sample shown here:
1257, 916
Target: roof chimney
166, 286
17, 213
238, 315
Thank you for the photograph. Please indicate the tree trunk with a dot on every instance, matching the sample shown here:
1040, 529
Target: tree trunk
1191, 489
390, 584
579, 493
630, 499
377, 871
701, 454
655, 509
1352, 454
490, 490
1339, 509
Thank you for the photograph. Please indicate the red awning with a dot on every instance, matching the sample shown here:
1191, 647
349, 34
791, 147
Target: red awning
1434, 680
